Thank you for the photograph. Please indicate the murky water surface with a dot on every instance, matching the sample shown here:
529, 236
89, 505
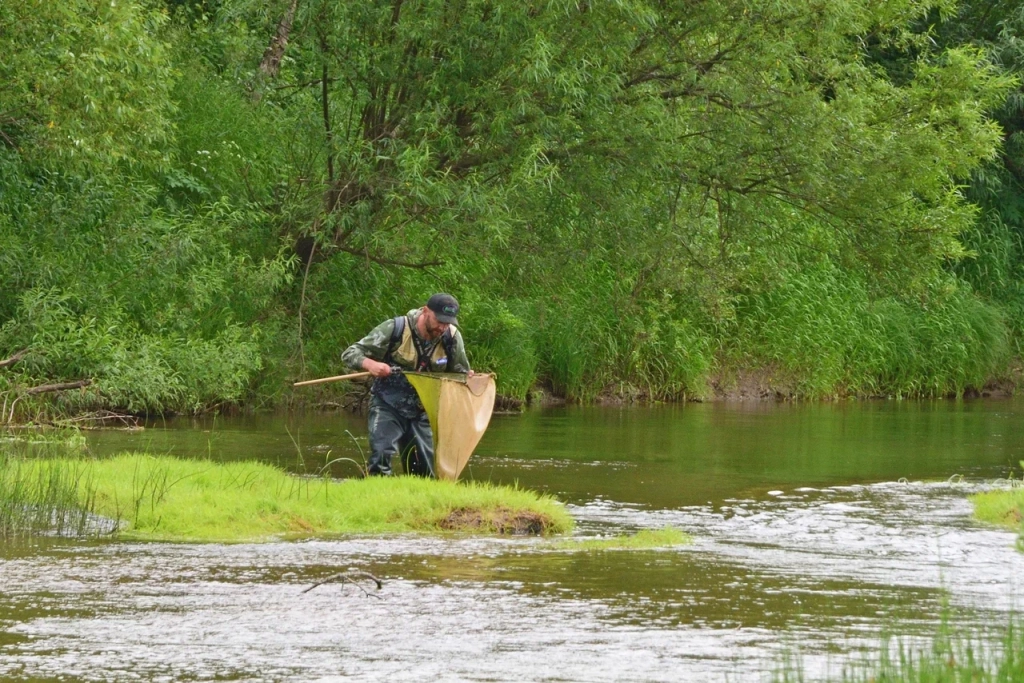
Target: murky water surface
817, 529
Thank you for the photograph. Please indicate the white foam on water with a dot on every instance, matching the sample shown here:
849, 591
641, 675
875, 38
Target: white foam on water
816, 574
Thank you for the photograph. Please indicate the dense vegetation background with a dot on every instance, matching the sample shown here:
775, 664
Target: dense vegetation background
202, 201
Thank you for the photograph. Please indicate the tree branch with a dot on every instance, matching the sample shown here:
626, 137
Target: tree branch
7, 362
327, 126
60, 386
388, 262
350, 577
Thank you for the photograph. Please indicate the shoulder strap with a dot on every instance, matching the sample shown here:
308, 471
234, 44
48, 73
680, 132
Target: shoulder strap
448, 340
396, 337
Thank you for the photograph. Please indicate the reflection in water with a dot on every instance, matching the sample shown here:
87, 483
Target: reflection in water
662, 456
796, 551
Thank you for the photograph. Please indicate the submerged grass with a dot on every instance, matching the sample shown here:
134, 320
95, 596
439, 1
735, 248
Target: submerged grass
53, 496
165, 498
642, 540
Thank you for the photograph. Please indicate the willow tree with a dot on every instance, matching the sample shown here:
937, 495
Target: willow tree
608, 185
104, 278
628, 150
995, 266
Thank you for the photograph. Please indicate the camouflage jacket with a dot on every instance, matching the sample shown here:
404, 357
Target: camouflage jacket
395, 389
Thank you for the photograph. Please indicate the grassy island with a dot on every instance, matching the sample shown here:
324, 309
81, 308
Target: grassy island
170, 499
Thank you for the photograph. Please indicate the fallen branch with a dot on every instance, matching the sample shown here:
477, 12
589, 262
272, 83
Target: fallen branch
349, 577
8, 362
9, 141
60, 386
130, 422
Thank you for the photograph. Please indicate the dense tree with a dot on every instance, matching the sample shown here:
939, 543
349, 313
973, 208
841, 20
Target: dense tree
201, 200
996, 265
101, 276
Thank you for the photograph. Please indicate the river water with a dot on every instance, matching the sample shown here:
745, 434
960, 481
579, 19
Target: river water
818, 529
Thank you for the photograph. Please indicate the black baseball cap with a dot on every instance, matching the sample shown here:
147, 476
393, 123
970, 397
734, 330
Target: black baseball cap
445, 307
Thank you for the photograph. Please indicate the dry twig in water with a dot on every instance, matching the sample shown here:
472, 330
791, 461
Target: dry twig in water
350, 577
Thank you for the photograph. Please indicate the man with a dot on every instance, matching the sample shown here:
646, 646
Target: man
423, 340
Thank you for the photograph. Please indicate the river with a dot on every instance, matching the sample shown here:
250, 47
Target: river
818, 528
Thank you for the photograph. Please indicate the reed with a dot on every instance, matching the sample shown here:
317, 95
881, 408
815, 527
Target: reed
44, 497
826, 329
949, 658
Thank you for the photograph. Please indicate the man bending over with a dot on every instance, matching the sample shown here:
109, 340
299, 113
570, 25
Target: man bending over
423, 340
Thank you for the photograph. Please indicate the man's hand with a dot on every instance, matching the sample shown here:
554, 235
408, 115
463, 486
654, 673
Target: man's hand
376, 368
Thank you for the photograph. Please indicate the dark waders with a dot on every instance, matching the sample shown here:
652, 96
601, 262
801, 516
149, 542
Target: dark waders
391, 433
404, 429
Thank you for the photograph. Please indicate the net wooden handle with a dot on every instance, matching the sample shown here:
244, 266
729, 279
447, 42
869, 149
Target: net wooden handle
337, 378
360, 375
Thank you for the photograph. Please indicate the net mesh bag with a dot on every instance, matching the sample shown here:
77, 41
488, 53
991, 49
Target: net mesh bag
459, 409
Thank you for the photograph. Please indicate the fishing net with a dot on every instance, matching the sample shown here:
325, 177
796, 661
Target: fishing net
459, 409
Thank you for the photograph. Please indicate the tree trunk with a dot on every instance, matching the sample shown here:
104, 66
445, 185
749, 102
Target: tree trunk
271, 62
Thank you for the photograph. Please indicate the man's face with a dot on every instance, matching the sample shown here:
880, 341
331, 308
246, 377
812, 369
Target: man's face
434, 327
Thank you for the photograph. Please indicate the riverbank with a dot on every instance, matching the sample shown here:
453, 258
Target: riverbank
170, 499
735, 385
729, 383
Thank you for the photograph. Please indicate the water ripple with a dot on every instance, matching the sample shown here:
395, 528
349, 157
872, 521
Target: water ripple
819, 572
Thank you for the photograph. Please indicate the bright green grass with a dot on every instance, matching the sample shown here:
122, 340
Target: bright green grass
642, 540
165, 498
38, 499
951, 658
1004, 508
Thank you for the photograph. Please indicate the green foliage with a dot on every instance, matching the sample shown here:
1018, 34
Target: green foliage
503, 342
86, 83
163, 323
626, 196
668, 355
598, 336
825, 329
118, 264
995, 261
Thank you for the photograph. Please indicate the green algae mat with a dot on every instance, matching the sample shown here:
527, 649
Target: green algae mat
170, 499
